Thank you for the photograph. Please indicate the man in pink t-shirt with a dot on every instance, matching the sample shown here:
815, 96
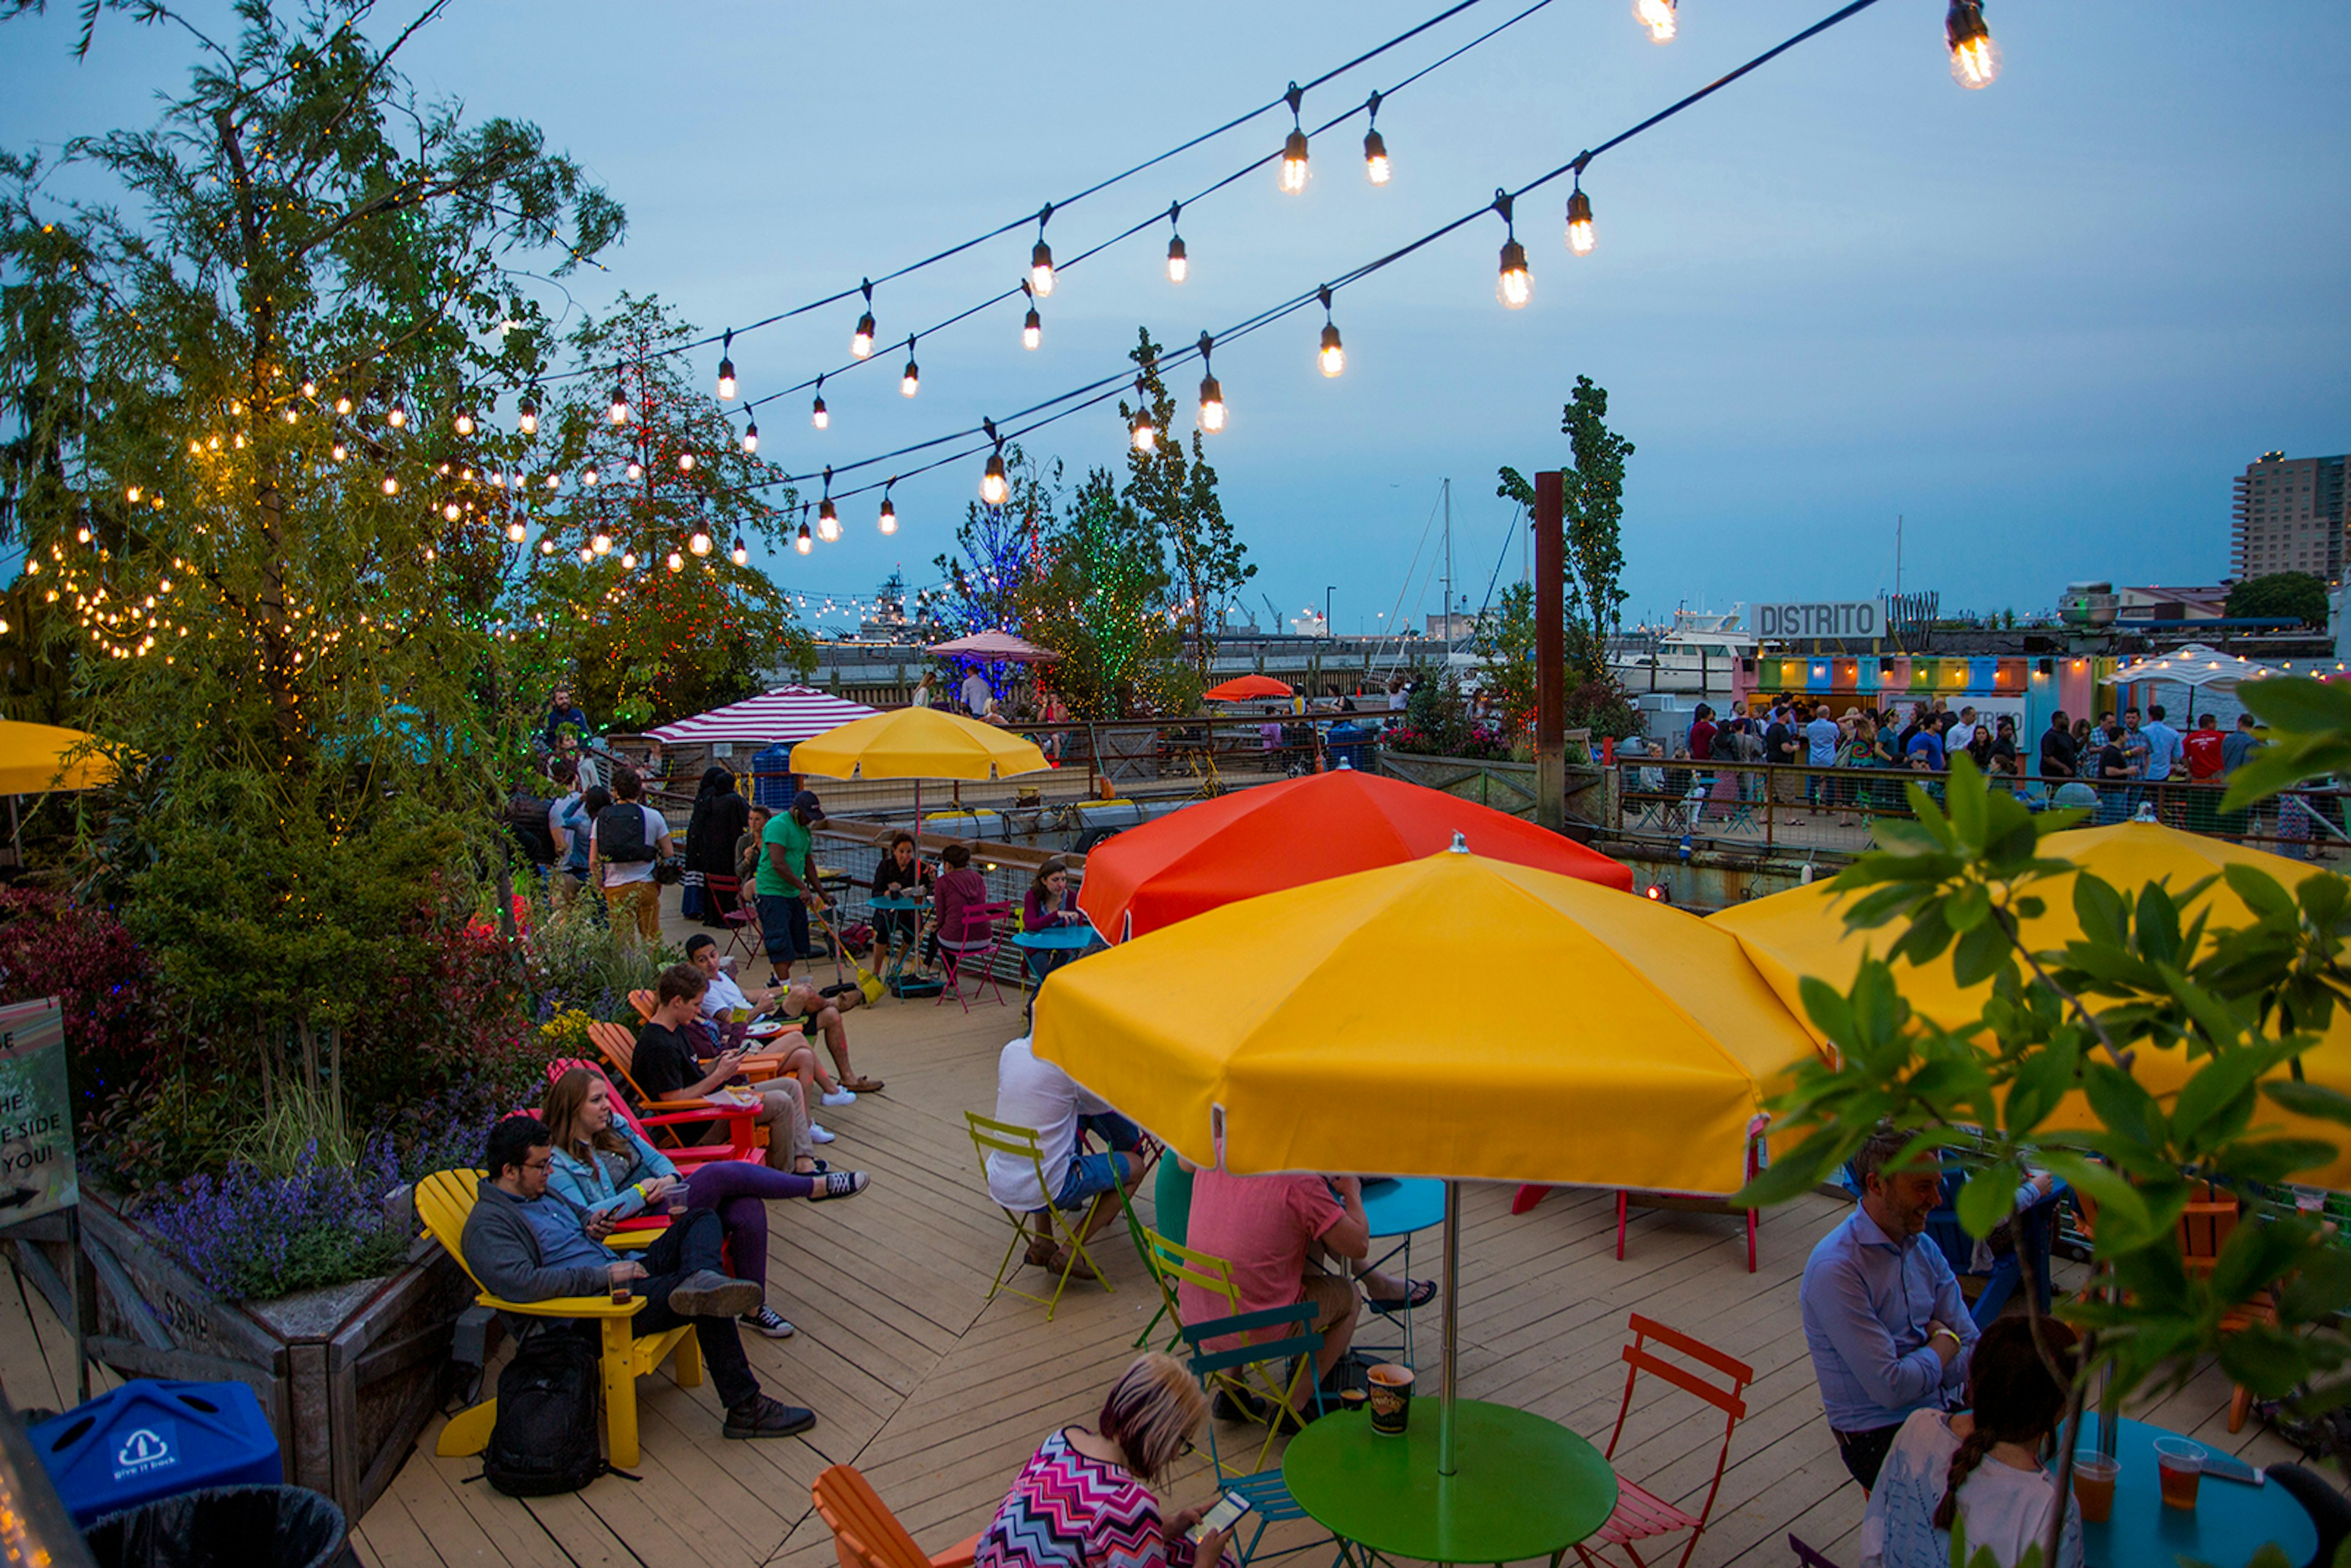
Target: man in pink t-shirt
1272, 1229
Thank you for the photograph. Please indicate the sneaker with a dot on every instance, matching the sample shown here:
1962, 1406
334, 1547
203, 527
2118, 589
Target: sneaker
817, 1134
760, 1416
840, 1183
708, 1294
836, 1097
766, 1321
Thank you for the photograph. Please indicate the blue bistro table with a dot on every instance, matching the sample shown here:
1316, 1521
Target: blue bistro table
896, 965
1047, 950
2229, 1524
1397, 1207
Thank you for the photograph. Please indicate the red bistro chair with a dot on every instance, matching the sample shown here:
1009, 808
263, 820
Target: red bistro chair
976, 946
1641, 1514
742, 916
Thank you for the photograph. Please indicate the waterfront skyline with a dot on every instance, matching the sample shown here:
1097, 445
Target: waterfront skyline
2048, 324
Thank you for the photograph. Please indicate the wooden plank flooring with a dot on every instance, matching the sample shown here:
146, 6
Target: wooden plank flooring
938, 1395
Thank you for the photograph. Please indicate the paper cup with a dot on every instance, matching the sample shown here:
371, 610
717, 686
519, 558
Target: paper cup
1391, 1396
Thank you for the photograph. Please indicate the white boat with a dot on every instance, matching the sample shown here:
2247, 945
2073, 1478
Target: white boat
1698, 654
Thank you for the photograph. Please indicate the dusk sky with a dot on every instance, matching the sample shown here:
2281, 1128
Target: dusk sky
2045, 323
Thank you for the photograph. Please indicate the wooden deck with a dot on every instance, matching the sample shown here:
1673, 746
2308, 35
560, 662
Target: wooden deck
938, 1395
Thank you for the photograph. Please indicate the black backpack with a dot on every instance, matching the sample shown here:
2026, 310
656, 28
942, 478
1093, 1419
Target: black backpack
621, 833
545, 1438
526, 821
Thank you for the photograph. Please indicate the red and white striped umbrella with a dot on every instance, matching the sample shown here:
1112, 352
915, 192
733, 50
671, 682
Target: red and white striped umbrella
790, 714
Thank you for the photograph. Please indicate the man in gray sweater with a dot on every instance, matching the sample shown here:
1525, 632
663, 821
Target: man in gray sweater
527, 1244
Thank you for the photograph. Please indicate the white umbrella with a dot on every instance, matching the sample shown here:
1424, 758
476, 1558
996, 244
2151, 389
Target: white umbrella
2195, 666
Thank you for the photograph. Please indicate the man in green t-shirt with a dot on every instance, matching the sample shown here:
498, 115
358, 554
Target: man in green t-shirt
786, 886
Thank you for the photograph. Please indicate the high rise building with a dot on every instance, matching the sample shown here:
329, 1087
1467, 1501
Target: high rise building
2292, 514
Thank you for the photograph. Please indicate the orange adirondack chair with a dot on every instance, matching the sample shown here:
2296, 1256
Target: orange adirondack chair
618, 1048
866, 1534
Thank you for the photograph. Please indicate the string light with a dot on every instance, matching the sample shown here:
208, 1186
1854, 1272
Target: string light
699, 541
1580, 237
1212, 396
526, 414
994, 484
619, 411
739, 555
602, 543
1515, 287
861, 342
343, 405
1375, 146
675, 562
636, 470
515, 531
1032, 326
1332, 356
804, 543
1179, 264
1144, 434
589, 476
586, 555
464, 423
1040, 258
827, 521
310, 389
910, 380
1658, 15
453, 511
628, 561
817, 416
726, 369
751, 437
292, 417
555, 481
1975, 58
1293, 175
889, 520
396, 416
133, 493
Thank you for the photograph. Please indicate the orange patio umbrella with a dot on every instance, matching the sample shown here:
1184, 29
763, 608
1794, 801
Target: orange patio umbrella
1248, 688
1284, 835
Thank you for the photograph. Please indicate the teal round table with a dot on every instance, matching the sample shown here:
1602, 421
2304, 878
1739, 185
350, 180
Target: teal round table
1525, 1488
2228, 1525
1047, 950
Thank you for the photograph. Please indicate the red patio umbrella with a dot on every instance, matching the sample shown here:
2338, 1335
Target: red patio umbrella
1284, 835
1248, 688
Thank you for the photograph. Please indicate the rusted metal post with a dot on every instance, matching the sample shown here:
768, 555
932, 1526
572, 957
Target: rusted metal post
1551, 654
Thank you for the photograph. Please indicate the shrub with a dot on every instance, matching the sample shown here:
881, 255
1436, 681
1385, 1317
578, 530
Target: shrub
574, 961
87, 959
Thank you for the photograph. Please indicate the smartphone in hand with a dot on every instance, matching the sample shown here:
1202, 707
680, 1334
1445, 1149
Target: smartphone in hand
1226, 1513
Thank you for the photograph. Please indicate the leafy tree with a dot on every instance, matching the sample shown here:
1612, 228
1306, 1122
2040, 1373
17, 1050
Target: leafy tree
1175, 491
1102, 604
991, 580
659, 621
239, 374
1593, 516
2281, 595
2151, 971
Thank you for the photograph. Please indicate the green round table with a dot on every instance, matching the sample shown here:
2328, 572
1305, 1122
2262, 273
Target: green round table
1525, 1488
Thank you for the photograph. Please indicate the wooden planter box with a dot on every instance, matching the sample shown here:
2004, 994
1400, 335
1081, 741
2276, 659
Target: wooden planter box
348, 1375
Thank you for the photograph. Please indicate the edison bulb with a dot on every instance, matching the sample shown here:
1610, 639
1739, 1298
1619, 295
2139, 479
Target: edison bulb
993, 485
1332, 356
1580, 236
725, 381
547, 547
1146, 436
1658, 15
818, 415
391, 484
452, 511
803, 543
339, 452
589, 476
1294, 171
527, 419
586, 554
675, 562
343, 405
628, 561
1179, 263
738, 555
1975, 58
1032, 330
1212, 405
751, 437
602, 544
698, 542
828, 523
396, 417
686, 462
515, 532
889, 516
910, 380
464, 423
1041, 270
1514, 288
1375, 158
861, 342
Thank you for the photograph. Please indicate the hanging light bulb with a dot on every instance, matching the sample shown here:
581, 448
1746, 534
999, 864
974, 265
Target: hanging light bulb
1658, 15
910, 380
827, 521
391, 485
751, 436
726, 369
498, 481
889, 520
1580, 237
292, 417
628, 561
602, 543
1975, 58
515, 531
589, 476
555, 481
699, 541
1375, 147
1040, 258
861, 342
619, 411
396, 416
1212, 396
739, 555
993, 486
1515, 287
1293, 175
310, 389
586, 554
453, 511
1332, 356
818, 415
1179, 263
686, 462
547, 547
1144, 434
339, 452
343, 404
464, 423
1032, 328
675, 562
133, 494
526, 416
804, 543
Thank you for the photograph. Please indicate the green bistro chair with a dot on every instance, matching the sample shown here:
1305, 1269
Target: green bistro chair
990, 1136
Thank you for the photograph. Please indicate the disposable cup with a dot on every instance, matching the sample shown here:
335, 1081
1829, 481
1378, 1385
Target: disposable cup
2179, 1467
1391, 1396
2093, 1486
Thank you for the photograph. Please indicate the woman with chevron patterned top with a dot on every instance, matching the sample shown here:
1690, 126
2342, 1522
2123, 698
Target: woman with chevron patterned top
1084, 1499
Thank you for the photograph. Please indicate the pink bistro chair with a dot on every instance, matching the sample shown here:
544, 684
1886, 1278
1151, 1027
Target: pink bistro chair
976, 946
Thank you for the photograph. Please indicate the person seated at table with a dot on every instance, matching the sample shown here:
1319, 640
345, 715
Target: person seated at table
1084, 1499
1049, 903
665, 1066
1887, 1328
1979, 1469
1275, 1231
901, 872
526, 1244
604, 1166
2003, 1257
959, 888
819, 1015
1038, 1094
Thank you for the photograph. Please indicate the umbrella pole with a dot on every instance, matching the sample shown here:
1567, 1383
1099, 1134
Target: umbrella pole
1445, 1465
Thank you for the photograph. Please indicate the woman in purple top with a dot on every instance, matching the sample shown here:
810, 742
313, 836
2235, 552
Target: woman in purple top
1048, 902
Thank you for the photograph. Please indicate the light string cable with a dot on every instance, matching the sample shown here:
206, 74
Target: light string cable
1078, 399
1027, 285
1031, 216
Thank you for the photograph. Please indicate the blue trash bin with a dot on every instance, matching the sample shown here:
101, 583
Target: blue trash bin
1346, 745
149, 1439
773, 784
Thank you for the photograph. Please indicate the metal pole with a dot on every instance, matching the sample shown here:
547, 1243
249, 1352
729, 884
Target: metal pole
1445, 1462
1551, 654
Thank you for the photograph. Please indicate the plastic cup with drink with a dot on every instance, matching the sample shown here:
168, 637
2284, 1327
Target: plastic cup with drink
2093, 1486
2180, 1466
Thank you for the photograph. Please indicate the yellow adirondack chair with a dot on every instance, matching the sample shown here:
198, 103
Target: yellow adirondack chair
444, 1199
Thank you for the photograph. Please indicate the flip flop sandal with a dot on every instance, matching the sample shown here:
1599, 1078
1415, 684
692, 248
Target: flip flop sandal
1420, 1293
862, 1085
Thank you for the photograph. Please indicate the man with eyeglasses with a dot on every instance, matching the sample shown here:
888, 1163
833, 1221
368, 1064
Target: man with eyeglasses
527, 1244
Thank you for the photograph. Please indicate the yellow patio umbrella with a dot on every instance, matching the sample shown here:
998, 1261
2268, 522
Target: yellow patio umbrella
32, 759
1274, 1034
917, 743
1802, 932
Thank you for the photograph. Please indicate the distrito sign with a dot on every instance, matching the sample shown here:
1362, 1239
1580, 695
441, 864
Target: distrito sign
1822, 618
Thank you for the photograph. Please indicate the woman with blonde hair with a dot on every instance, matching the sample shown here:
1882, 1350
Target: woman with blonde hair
1084, 1499
601, 1164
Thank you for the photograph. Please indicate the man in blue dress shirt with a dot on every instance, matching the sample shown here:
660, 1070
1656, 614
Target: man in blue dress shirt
1883, 1317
